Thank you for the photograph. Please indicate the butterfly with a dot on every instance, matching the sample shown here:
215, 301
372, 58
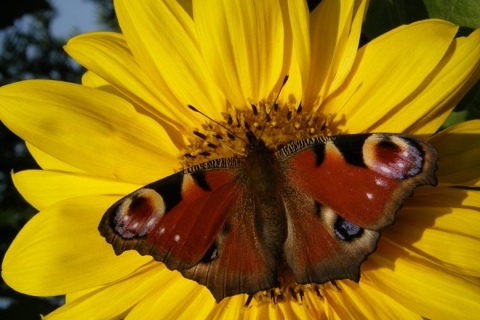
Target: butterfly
315, 206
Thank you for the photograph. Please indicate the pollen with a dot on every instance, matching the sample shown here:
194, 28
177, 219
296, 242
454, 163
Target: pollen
276, 126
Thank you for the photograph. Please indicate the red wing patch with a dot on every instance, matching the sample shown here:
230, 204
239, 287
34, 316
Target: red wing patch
365, 184
175, 219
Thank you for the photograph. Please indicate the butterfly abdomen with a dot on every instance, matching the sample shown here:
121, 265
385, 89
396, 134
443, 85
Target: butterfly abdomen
263, 182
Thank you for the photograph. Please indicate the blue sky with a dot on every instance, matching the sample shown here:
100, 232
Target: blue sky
74, 17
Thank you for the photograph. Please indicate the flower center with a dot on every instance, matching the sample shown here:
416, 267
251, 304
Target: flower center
276, 125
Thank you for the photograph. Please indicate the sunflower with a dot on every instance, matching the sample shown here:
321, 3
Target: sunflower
127, 125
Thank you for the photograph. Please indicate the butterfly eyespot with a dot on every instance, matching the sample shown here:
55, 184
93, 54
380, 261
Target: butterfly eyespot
393, 157
138, 214
345, 230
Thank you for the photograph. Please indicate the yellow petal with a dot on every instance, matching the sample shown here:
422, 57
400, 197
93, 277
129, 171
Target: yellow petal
234, 308
382, 77
115, 300
345, 54
108, 56
48, 162
243, 44
88, 129
299, 23
162, 38
42, 188
178, 298
363, 301
70, 297
421, 286
91, 79
457, 74
335, 34
61, 251
459, 153
443, 232
446, 197
296, 52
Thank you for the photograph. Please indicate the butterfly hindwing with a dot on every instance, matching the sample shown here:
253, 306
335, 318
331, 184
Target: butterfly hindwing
243, 262
346, 188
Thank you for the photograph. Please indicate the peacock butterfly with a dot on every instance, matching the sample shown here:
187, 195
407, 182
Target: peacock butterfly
315, 206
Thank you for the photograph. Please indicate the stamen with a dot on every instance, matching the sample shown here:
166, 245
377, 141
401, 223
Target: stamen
199, 134
254, 109
299, 109
249, 299
211, 145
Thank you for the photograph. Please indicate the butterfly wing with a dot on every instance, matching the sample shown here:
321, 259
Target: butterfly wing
340, 191
199, 222
243, 263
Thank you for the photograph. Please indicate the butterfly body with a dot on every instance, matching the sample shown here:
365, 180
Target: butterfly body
314, 207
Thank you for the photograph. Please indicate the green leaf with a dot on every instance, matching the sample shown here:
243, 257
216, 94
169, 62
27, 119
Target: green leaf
385, 15
465, 13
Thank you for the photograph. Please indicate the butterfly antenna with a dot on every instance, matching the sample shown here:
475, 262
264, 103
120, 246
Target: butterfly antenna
215, 121
274, 104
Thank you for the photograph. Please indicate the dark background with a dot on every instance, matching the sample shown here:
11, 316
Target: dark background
33, 52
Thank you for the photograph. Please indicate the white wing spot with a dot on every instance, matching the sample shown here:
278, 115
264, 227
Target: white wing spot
369, 195
385, 169
135, 225
162, 230
125, 218
176, 238
400, 165
406, 153
150, 222
379, 182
